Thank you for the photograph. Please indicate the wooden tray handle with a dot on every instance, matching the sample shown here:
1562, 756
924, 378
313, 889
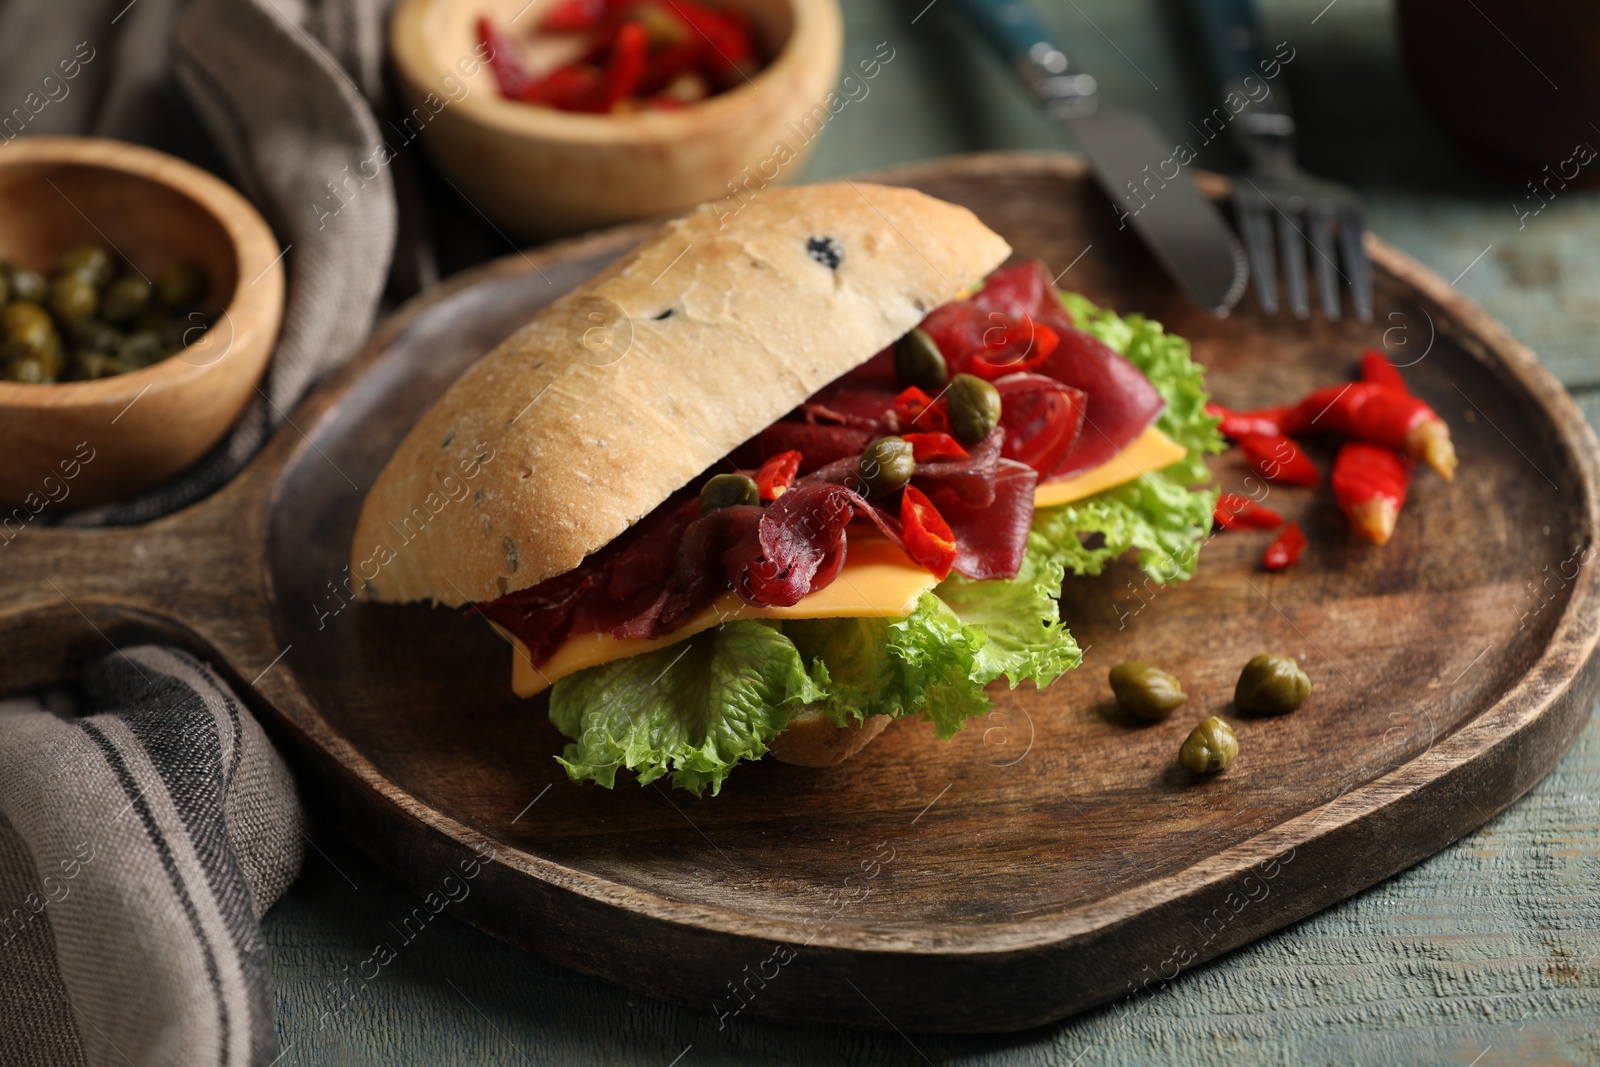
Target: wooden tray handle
194, 579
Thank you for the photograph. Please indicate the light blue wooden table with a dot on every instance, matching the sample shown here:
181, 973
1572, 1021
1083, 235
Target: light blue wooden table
1489, 953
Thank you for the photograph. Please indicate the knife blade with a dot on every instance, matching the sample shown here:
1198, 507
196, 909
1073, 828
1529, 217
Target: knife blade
1184, 230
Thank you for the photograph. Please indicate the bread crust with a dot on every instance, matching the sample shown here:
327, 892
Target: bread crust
624, 390
812, 740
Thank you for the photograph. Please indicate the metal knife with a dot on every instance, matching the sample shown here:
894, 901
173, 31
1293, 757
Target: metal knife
1133, 163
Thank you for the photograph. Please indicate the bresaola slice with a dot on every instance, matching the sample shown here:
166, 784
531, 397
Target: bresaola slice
1042, 418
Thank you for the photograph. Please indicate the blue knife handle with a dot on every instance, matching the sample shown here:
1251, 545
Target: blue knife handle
1011, 26
1230, 32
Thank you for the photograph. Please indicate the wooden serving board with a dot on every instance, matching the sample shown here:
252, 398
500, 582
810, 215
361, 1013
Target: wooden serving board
1052, 856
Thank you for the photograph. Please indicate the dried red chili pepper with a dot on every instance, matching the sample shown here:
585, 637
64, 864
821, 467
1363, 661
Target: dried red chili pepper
1266, 422
1370, 484
1376, 368
1377, 415
1285, 550
510, 75
928, 446
776, 475
929, 539
572, 88
1240, 512
1279, 459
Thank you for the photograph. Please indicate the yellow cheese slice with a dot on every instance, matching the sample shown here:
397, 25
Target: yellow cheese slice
877, 579
1150, 451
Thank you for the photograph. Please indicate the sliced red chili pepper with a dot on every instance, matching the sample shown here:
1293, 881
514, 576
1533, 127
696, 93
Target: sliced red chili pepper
1286, 549
510, 75
926, 446
929, 540
1015, 347
1376, 367
573, 15
1370, 484
1279, 459
915, 409
1240, 512
726, 39
1237, 424
665, 65
1042, 420
776, 475
1377, 415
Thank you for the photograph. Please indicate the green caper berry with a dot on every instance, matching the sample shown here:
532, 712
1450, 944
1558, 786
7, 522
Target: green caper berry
1146, 691
1271, 685
180, 284
27, 284
27, 324
974, 407
141, 349
73, 297
92, 333
29, 370
89, 364
91, 262
727, 490
886, 466
918, 362
1210, 747
126, 299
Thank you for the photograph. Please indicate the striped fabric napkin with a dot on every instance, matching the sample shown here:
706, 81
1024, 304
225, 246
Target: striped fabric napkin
140, 844
146, 824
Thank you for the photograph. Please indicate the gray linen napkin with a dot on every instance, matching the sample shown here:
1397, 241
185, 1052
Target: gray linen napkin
140, 844
139, 847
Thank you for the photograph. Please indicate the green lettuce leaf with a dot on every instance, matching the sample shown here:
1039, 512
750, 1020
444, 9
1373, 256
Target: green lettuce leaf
692, 709
1165, 514
696, 709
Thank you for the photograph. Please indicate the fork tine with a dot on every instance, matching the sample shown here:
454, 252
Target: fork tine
1257, 229
1320, 225
1292, 248
1357, 266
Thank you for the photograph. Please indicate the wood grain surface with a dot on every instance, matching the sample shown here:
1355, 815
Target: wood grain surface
992, 891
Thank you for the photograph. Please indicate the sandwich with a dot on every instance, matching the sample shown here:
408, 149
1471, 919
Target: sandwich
770, 482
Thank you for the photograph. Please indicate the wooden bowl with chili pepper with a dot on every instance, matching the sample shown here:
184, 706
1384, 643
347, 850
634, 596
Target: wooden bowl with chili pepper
130, 423
558, 116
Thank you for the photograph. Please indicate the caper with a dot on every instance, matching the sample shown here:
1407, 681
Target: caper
1271, 685
726, 490
92, 333
73, 297
29, 370
91, 262
127, 297
5, 285
1211, 747
918, 362
886, 465
180, 284
27, 284
974, 407
141, 349
88, 364
27, 324
1146, 691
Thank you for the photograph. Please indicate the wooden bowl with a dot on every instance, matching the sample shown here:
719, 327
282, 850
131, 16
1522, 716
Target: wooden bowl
74, 444
540, 172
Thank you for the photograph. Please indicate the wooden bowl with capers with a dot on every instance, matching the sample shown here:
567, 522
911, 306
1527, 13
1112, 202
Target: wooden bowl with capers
140, 299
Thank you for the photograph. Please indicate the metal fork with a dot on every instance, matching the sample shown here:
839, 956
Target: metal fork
1274, 194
